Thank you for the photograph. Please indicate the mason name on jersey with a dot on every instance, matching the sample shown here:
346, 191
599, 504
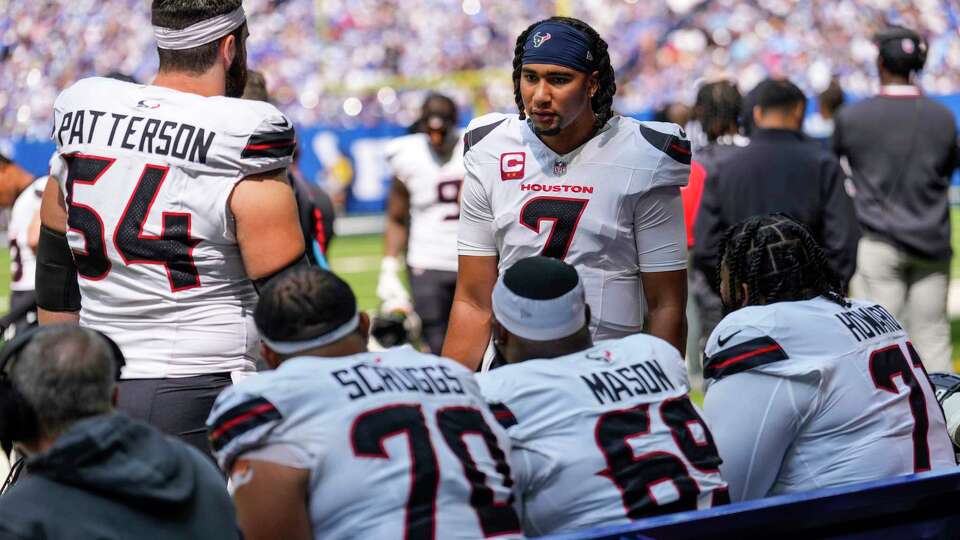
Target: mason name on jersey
618, 383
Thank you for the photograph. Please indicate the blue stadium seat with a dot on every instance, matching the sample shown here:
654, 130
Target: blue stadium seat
923, 505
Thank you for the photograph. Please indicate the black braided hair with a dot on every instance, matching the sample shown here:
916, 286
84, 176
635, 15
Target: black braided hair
718, 108
602, 101
779, 261
303, 303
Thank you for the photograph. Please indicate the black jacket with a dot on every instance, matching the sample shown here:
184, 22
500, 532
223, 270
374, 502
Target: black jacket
779, 171
902, 151
110, 477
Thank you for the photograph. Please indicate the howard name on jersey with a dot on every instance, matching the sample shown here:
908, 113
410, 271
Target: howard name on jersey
521, 199
398, 444
604, 436
873, 414
434, 189
147, 173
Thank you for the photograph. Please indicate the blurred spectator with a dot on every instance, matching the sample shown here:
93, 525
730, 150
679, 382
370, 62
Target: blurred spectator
676, 113
902, 149
716, 112
820, 124
779, 171
319, 55
93, 473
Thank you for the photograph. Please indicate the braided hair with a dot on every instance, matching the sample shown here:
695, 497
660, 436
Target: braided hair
779, 261
718, 108
602, 100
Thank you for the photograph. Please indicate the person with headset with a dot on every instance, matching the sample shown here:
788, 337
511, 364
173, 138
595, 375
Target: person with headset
92, 472
901, 148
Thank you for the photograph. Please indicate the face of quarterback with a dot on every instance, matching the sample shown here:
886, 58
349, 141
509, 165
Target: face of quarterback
237, 70
555, 97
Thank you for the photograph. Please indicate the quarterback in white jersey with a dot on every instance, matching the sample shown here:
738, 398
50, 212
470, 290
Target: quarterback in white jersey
341, 443
601, 193
23, 234
422, 213
602, 433
172, 198
807, 389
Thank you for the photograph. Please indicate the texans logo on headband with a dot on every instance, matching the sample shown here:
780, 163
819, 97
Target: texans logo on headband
539, 39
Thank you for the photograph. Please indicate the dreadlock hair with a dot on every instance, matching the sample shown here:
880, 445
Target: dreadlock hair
602, 101
779, 261
303, 303
718, 108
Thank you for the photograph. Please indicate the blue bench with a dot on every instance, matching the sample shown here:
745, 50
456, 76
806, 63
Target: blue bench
925, 505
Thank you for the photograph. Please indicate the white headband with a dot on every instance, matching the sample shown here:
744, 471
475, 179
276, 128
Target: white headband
540, 320
291, 347
201, 33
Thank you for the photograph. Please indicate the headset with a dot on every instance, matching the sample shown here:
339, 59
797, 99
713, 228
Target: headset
18, 420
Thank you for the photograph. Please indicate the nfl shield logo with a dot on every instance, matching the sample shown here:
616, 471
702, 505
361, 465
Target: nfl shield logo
559, 168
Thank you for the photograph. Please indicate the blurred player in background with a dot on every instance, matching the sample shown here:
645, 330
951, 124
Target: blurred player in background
570, 179
169, 205
315, 208
23, 235
339, 443
422, 212
808, 389
573, 408
13, 178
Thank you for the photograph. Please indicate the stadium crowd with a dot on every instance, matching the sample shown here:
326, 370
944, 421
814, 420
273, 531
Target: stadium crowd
317, 55
182, 317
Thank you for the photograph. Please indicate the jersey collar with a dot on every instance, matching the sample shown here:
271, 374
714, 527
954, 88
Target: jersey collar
899, 90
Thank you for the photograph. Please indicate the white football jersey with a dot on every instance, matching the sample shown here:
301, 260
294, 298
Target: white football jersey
434, 189
859, 400
147, 173
604, 436
611, 208
23, 261
399, 444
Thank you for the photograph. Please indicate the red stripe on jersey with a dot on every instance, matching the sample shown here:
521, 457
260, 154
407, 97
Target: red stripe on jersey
265, 146
258, 410
746, 355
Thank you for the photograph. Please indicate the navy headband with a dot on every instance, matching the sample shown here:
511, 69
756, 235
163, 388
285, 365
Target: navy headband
559, 44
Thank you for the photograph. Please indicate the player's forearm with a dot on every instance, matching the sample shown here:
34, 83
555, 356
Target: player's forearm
395, 237
669, 323
468, 333
57, 317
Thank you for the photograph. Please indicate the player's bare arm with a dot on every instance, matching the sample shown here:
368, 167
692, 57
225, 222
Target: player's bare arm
390, 289
468, 333
666, 296
268, 231
271, 500
398, 220
55, 268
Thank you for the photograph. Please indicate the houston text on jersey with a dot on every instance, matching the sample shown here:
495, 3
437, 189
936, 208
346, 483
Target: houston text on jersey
869, 322
367, 379
645, 377
151, 135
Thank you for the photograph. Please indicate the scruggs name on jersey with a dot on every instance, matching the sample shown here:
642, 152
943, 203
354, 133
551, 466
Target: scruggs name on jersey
146, 173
